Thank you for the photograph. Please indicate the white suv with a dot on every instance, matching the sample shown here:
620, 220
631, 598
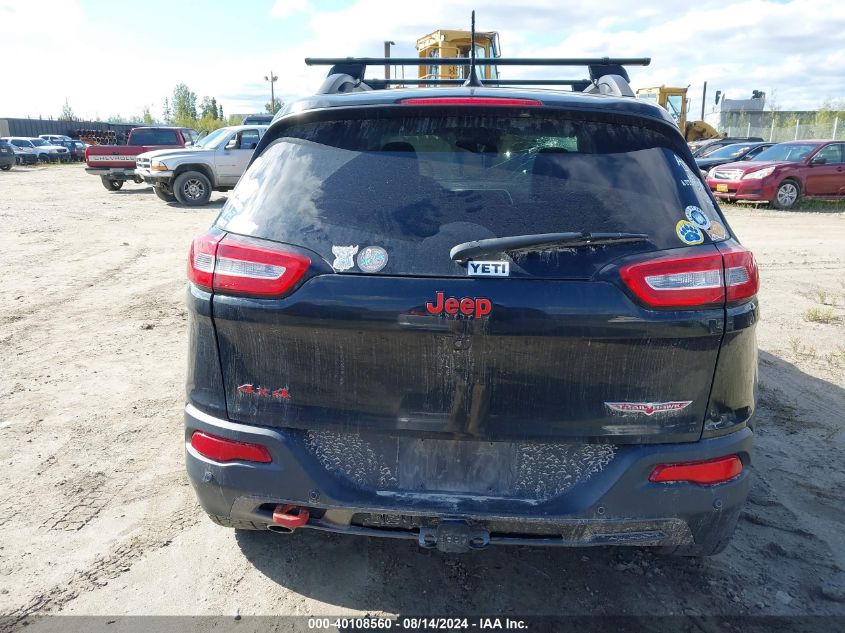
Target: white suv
44, 150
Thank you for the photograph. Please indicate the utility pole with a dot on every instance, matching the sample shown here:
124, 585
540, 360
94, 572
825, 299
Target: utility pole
703, 99
272, 79
387, 45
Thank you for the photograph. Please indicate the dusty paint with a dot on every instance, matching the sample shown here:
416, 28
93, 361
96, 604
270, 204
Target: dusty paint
448, 470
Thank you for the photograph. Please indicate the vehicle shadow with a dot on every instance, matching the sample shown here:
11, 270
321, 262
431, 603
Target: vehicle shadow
774, 549
213, 204
133, 191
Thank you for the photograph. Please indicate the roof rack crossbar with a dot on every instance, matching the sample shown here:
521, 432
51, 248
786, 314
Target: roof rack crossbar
491, 61
487, 82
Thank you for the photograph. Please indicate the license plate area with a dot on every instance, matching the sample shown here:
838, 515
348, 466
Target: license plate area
722, 188
454, 537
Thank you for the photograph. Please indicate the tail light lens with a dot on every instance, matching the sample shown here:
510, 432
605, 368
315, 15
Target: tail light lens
709, 472
742, 279
221, 449
682, 281
691, 281
244, 266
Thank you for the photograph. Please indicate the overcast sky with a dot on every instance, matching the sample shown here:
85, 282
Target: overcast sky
109, 57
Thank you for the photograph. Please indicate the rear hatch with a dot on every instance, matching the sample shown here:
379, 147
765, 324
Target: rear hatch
350, 296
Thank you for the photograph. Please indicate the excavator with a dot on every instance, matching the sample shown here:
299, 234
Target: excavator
457, 43
675, 101
453, 43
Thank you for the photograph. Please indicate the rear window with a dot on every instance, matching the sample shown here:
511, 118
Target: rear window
154, 137
417, 185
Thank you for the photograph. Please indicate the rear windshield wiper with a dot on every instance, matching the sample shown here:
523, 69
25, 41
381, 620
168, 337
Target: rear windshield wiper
538, 242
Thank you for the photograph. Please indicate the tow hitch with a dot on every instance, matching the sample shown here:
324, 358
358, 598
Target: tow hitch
286, 518
454, 537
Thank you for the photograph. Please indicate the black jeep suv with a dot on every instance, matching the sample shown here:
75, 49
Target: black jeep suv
474, 315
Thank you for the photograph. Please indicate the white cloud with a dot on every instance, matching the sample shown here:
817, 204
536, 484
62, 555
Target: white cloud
795, 49
284, 8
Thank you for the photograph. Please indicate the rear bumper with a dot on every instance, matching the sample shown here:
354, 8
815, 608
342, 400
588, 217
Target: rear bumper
114, 173
616, 506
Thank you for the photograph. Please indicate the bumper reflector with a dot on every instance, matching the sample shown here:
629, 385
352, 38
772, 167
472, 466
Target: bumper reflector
221, 449
709, 472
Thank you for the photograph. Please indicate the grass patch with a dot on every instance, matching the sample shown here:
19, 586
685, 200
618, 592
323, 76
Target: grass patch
819, 315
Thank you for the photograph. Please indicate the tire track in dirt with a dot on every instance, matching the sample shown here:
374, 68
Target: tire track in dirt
156, 535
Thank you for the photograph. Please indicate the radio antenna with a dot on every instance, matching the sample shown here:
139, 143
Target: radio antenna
472, 80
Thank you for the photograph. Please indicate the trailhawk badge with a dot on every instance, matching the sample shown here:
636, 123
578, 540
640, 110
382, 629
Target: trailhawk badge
648, 408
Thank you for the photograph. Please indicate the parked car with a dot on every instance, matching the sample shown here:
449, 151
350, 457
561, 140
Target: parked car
703, 150
257, 119
730, 154
115, 164
44, 151
54, 138
466, 316
7, 156
783, 174
216, 162
76, 149
25, 153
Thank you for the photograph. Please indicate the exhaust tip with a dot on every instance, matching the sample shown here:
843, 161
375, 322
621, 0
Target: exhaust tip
279, 529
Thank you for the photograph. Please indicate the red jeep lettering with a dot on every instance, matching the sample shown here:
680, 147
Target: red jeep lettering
469, 307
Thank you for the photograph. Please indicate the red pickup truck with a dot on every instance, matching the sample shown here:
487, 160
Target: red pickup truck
115, 164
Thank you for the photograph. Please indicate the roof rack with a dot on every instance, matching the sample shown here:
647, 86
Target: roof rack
607, 75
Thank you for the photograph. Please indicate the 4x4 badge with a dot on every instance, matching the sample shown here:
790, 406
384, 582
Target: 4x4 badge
648, 408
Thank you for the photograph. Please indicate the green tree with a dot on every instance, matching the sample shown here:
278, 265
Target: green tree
208, 108
67, 112
166, 114
220, 112
184, 106
147, 117
271, 107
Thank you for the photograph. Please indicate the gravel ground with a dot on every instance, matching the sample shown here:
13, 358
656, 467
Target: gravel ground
97, 517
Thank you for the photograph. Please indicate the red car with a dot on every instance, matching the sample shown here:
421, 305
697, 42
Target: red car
783, 174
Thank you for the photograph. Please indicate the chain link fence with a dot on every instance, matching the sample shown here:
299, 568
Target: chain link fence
779, 131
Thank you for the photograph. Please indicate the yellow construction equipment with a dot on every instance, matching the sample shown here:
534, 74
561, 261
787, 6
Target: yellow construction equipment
675, 101
450, 43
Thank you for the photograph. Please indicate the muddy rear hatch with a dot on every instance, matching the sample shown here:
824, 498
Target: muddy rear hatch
351, 297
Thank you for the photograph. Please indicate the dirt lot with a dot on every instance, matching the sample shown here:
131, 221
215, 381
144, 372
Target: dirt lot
96, 515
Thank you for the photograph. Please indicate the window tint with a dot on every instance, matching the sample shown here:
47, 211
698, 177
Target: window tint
154, 137
791, 152
248, 139
729, 151
417, 186
832, 154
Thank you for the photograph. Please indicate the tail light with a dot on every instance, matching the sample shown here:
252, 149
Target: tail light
692, 281
221, 449
709, 472
742, 279
682, 281
244, 266
476, 101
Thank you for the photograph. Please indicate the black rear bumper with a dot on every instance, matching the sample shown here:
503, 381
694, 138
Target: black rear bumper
616, 505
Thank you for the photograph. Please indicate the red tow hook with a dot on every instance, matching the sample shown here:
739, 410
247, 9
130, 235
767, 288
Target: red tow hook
290, 516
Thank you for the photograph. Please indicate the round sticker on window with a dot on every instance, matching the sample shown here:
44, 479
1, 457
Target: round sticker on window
372, 259
689, 233
717, 232
697, 217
